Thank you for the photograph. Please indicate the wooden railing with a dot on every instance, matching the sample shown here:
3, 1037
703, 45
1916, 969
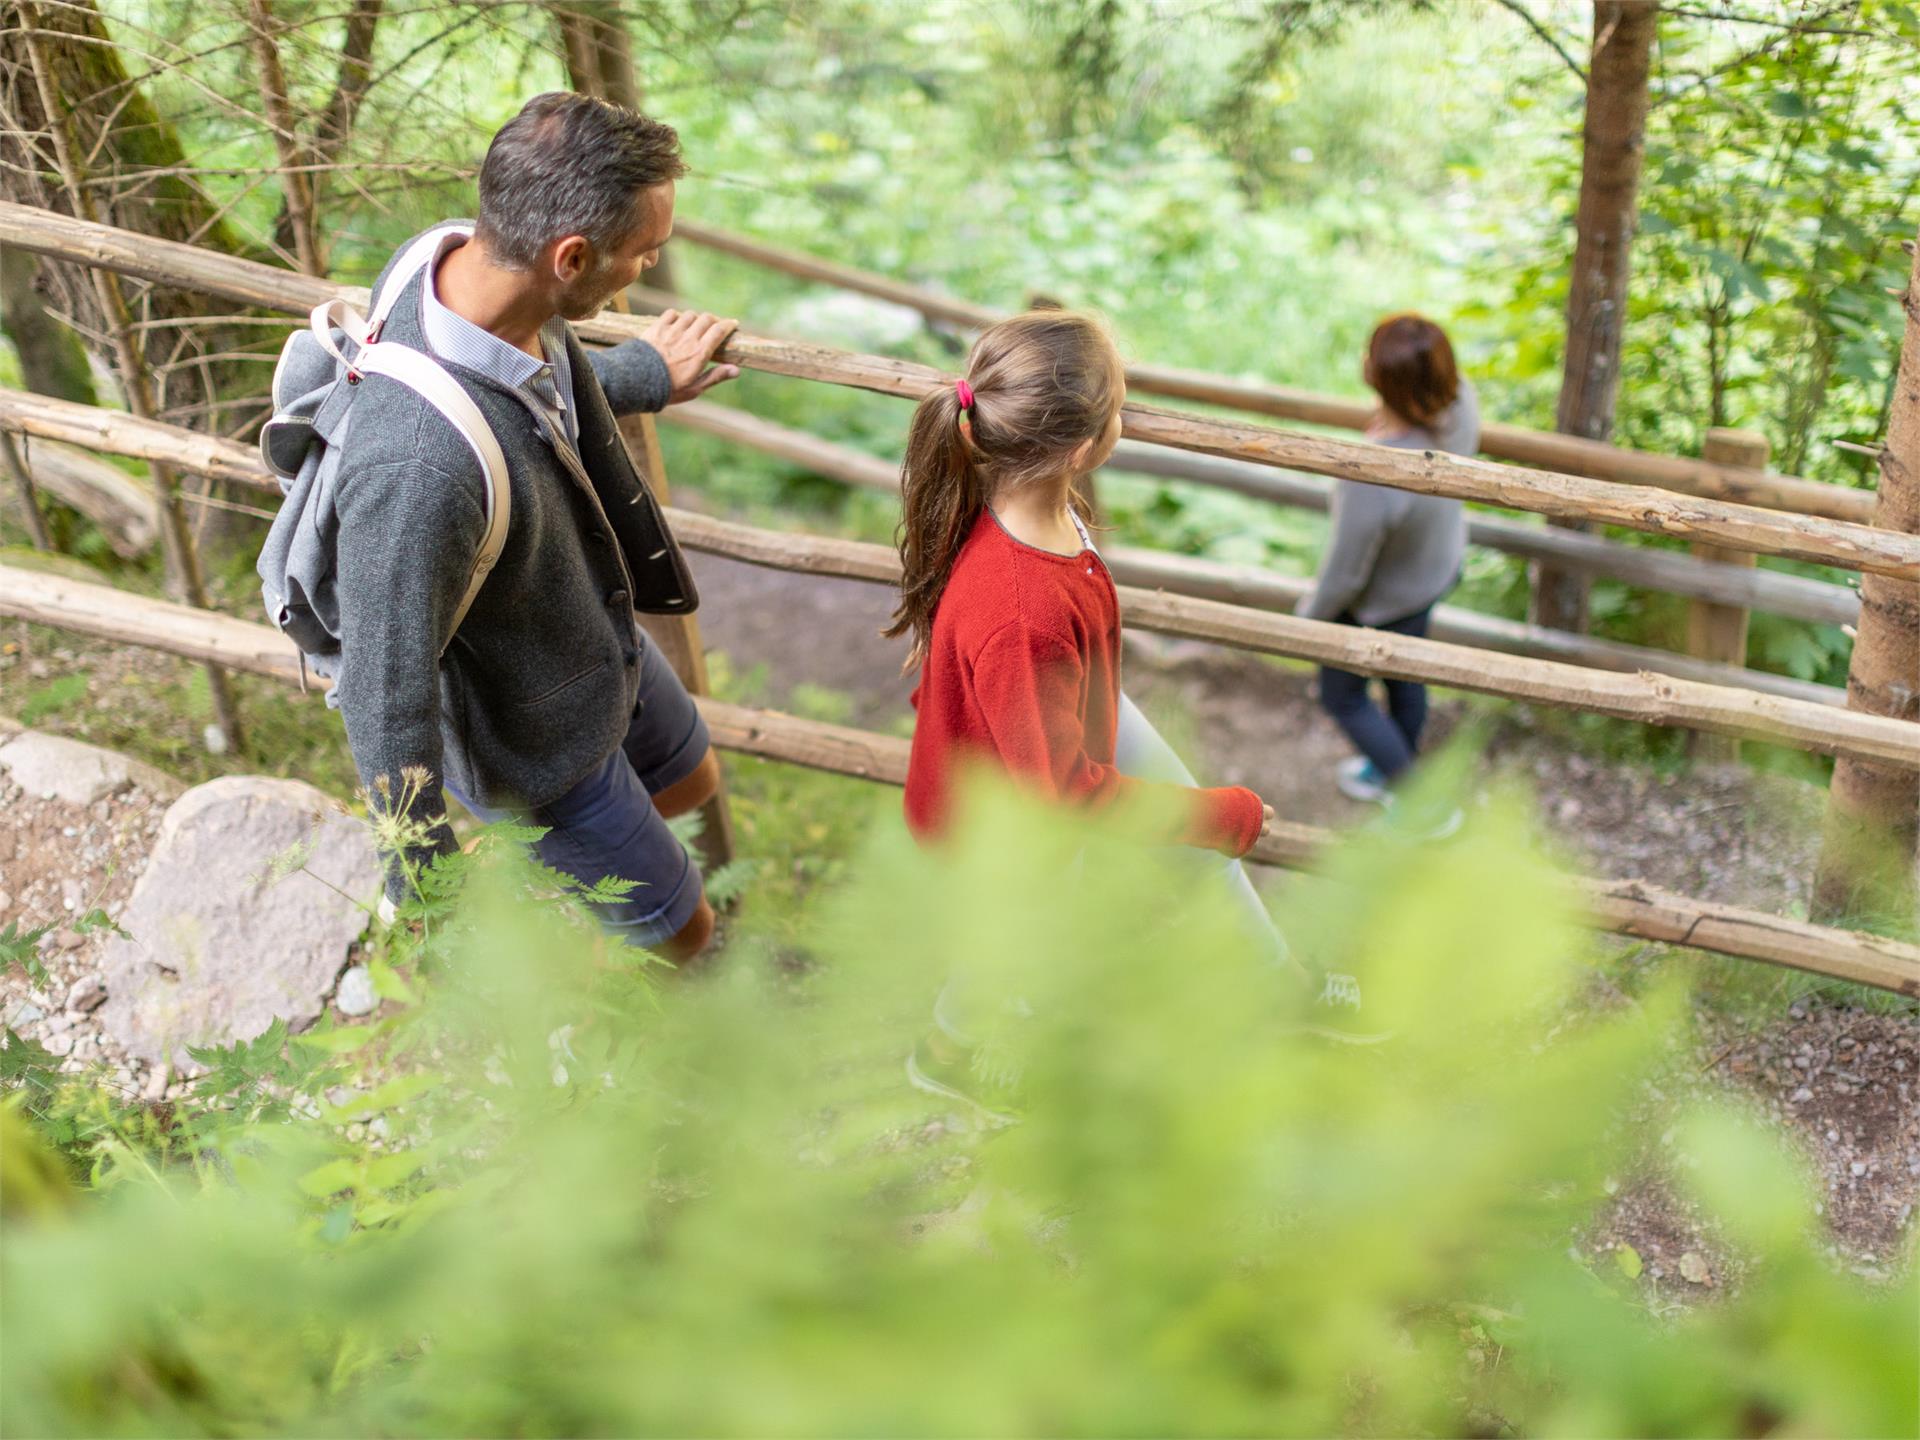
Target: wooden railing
1656, 699
192, 451
1545, 449
1794, 596
1722, 523
1625, 907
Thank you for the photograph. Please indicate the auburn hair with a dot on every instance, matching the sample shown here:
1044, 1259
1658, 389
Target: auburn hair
1410, 364
1042, 383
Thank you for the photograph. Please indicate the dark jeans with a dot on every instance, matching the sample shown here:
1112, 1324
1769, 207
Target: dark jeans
606, 826
1391, 739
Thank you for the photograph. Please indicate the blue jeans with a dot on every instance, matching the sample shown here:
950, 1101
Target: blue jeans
606, 825
1389, 739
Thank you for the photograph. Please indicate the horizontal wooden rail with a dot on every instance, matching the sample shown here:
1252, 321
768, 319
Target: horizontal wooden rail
1794, 596
1722, 686
1729, 526
1797, 597
1628, 907
1623, 907
1592, 458
1187, 575
1648, 698
1260, 590
116, 432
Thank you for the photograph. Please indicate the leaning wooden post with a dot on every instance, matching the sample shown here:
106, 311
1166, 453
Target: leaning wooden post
1719, 632
23, 482
678, 637
1867, 853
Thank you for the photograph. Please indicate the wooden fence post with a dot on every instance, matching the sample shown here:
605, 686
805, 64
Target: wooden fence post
678, 637
1719, 632
1871, 839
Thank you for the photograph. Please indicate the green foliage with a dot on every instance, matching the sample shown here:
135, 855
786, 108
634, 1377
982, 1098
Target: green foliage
543, 1195
52, 698
1780, 176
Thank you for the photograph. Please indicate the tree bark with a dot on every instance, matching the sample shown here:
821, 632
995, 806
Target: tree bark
52, 359
1867, 855
1612, 147
137, 177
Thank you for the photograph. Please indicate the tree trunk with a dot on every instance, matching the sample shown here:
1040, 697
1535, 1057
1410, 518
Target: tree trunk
1867, 854
296, 181
1612, 147
52, 359
335, 125
137, 177
598, 54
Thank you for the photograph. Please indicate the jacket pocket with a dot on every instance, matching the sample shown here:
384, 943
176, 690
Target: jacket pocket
552, 692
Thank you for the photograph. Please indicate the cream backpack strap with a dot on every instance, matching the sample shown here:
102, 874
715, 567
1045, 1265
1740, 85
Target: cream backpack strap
425, 377
363, 331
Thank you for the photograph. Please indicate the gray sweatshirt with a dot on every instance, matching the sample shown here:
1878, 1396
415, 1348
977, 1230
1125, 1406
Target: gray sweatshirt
1392, 552
538, 685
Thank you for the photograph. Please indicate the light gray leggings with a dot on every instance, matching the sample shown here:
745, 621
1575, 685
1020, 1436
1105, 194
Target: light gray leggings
1143, 753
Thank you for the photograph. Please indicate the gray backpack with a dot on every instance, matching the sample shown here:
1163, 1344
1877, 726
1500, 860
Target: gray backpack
312, 408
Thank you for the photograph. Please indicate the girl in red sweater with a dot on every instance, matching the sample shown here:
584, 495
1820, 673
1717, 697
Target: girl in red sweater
1014, 619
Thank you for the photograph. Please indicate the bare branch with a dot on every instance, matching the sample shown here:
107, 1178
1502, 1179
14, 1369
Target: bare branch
1545, 35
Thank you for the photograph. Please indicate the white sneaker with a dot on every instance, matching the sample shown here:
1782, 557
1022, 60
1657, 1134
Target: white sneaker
1360, 779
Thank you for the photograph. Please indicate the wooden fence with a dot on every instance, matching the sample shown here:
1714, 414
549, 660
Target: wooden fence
67, 423
1624, 906
1796, 597
1728, 525
1642, 696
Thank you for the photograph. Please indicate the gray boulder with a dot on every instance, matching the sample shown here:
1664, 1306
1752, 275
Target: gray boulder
220, 948
51, 767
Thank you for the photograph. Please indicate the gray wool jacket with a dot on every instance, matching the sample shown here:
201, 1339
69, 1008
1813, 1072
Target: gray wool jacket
539, 684
1392, 553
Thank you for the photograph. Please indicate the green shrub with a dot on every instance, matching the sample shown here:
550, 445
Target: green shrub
598, 1203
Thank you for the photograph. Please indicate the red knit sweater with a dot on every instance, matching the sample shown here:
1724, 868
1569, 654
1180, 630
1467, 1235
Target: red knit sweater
1023, 671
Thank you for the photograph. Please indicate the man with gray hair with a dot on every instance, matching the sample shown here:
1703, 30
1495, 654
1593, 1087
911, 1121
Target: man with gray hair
547, 702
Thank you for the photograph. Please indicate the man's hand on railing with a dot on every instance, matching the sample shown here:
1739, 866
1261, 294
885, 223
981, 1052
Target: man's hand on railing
688, 340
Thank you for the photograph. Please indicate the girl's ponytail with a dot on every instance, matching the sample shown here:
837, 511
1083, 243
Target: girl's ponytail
941, 495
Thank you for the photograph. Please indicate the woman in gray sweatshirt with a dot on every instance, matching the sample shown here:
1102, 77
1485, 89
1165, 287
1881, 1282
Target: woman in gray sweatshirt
1393, 555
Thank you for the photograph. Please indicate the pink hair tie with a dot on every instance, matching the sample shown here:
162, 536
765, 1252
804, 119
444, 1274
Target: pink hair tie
965, 392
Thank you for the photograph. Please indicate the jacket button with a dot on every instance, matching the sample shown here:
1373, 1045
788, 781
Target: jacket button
600, 537
633, 657
617, 598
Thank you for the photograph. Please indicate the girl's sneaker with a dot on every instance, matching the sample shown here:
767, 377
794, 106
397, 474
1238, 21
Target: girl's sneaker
1335, 1013
933, 1069
1360, 779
